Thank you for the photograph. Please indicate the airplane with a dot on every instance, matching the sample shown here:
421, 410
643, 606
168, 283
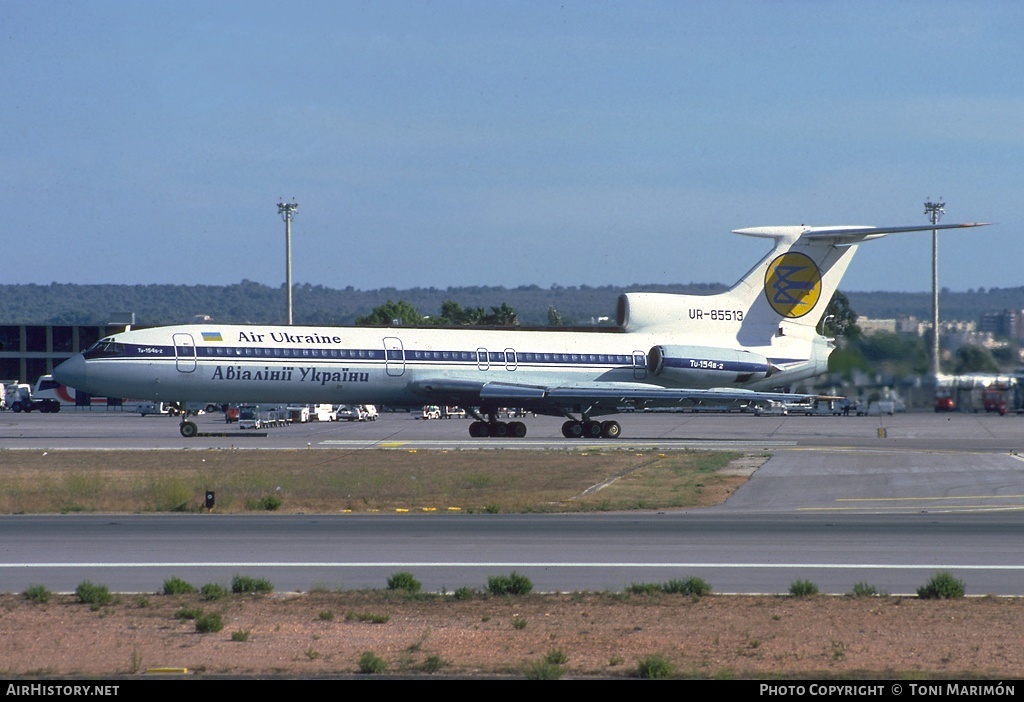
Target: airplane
667, 350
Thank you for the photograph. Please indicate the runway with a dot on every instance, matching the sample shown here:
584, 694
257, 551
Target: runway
925, 432
838, 502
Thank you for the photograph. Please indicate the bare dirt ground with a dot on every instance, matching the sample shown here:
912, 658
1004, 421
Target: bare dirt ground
597, 635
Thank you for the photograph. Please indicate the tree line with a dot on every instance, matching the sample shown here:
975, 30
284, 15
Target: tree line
254, 303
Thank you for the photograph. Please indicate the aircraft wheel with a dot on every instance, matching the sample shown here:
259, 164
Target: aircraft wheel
499, 429
517, 429
611, 430
592, 430
572, 429
188, 429
478, 429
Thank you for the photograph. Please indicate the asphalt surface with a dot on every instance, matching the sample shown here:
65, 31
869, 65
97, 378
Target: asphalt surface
927, 432
884, 500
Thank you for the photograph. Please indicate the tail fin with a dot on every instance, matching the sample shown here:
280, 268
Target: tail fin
792, 284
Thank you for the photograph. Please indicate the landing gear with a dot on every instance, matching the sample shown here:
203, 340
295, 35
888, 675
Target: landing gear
573, 429
188, 429
481, 429
590, 429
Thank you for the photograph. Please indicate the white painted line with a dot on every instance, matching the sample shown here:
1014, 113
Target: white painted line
522, 564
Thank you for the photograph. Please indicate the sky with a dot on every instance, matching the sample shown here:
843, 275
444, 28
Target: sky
446, 143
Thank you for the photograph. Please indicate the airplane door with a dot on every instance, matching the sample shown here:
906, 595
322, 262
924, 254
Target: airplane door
394, 356
483, 361
510, 359
184, 352
639, 365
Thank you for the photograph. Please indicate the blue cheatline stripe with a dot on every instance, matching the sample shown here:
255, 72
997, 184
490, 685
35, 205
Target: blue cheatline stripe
264, 354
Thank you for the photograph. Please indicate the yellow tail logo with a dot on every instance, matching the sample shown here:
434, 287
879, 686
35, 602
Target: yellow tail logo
792, 284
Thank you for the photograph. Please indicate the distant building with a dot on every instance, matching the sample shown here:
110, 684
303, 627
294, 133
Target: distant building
1006, 324
909, 325
873, 326
28, 351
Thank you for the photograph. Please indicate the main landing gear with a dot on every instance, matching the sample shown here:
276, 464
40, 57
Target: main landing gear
572, 429
591, 429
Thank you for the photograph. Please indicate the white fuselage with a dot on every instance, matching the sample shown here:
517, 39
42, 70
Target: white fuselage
383, 365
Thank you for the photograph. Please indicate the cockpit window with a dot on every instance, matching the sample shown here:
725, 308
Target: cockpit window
104, 347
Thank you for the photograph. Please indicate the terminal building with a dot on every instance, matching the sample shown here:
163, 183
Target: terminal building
28, 351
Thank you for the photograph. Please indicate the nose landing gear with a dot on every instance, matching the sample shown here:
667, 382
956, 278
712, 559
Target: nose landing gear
480, 429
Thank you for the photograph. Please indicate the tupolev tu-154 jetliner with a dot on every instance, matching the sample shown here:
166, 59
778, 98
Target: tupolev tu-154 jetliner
666, 351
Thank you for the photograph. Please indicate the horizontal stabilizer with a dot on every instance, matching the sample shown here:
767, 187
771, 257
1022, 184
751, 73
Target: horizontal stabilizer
842, 235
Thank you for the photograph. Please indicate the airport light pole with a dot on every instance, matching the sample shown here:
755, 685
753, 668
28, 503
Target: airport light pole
287, 210
935, 210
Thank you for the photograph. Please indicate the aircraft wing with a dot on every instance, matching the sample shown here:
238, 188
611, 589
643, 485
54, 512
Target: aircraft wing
595, 398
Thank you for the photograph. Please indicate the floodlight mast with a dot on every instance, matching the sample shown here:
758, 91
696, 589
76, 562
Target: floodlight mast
287, 210
935, 210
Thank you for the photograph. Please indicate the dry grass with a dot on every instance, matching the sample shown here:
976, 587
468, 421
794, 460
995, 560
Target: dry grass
326, 481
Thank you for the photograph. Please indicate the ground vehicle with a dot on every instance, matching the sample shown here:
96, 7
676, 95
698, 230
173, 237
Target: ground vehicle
370, 413
19, 398
145, 408
889, 407
323, 413
249, 417
823, 408
771, 409
449, 411
431, 412
994, 399
944, 403
298, 415
351, 414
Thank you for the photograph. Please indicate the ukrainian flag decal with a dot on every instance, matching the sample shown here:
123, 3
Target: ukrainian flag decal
792, 284
212, 336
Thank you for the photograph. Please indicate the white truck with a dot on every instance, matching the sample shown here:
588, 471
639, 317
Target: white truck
298, 414
323, 413
20, 398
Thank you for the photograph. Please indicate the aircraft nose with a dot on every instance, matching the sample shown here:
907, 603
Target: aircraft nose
71, 372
